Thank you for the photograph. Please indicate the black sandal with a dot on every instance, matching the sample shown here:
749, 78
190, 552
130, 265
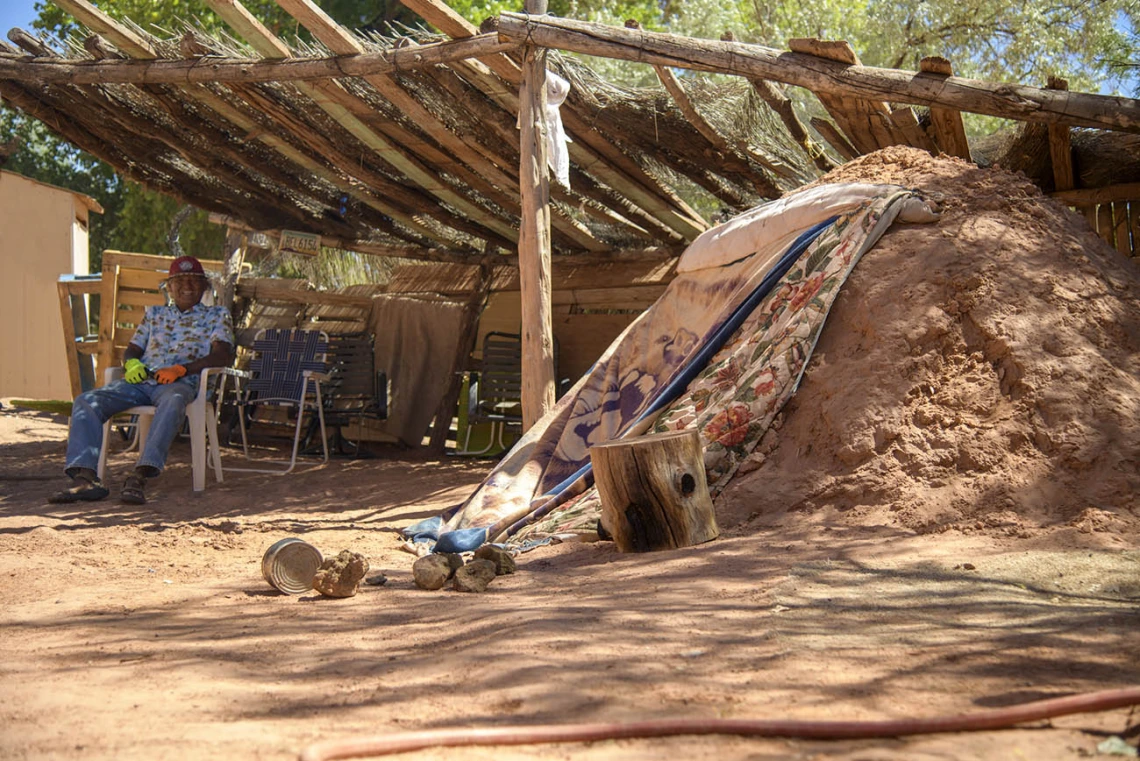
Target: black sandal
134, 490
81, 490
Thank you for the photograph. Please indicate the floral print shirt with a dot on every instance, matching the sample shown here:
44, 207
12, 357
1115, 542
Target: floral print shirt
168, 336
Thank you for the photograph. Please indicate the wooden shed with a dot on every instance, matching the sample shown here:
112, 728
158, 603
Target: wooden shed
43, 234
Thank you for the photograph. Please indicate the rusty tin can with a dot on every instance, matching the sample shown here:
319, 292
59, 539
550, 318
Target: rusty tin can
290, 565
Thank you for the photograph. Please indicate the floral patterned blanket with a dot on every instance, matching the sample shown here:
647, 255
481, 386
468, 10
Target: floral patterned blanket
721, 351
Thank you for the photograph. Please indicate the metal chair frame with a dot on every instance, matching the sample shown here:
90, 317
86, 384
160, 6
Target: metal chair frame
496, 396
268, 382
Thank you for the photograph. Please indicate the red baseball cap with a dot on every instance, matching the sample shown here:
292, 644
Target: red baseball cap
186, 265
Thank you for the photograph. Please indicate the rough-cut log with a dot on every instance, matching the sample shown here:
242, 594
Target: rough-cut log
766, 187
866, 123
835, 138
534, 236
1089, 196
823, 76
1060, 146
906, 122
211, 69
127, 40
654, 492
949, 132
784, 108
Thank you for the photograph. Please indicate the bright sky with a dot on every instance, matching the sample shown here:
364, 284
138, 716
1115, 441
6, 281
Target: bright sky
15, 13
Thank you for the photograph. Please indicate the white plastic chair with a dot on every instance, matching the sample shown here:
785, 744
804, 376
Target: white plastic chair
203, 418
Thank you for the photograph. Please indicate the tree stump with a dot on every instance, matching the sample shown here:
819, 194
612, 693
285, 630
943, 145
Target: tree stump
654, 492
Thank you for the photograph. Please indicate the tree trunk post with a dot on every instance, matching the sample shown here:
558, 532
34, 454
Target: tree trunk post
654, 492
534, 235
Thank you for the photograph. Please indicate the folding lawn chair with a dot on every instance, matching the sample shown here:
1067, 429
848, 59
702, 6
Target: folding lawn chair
286, 371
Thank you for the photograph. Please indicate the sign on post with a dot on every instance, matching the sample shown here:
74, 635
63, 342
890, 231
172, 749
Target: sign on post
300, 243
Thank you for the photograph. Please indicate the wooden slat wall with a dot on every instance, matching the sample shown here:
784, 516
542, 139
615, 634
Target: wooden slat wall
581, 337
130, 283
1118, 223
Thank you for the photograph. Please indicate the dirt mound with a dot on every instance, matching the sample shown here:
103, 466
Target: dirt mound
979, 374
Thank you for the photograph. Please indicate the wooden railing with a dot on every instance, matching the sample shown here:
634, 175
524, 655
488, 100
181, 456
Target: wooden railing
1113, 211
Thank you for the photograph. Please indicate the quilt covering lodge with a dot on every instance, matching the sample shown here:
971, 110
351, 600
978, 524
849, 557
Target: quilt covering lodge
722, 350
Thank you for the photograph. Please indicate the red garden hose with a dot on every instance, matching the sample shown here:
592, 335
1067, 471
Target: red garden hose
996, 718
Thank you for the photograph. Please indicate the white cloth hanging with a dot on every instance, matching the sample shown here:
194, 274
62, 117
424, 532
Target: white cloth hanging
557, 154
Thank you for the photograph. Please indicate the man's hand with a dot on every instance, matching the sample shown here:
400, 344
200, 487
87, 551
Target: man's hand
134, 371
170, 374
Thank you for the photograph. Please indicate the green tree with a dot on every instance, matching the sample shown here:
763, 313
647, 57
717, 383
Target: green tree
1084, 41
136, 219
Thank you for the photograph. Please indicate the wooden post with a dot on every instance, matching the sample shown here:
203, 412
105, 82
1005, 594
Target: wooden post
463, 348
236, 245
654, 492
68, 318
534, 235
949, 132
1060, 148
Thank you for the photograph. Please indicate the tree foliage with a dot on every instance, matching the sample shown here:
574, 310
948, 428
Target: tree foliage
1083, 41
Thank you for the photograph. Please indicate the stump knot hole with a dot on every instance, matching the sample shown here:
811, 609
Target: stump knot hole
688, 484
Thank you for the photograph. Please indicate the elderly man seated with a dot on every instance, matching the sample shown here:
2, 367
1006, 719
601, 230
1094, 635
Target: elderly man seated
161, 367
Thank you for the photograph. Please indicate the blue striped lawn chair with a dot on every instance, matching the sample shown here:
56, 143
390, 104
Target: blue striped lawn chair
286, 370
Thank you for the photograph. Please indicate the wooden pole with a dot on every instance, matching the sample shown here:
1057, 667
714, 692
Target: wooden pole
534, 235
654, 491
43, 71
1060, 146
820, 75
466, 344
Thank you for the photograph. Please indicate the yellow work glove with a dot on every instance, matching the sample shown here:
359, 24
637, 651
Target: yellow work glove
169, 374
134, 371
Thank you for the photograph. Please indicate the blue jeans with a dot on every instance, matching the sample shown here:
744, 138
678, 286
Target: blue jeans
92, 409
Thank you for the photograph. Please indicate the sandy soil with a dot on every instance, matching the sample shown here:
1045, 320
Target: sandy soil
149, 632
944, 520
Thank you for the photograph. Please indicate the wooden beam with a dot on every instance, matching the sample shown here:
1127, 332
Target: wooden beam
538, 387
1060, 147
589, 149
67, 316
906, 122
1120, 228
386, 151
1020, 102
949, 132
785, 109
468, 151
835, 138
1134, 226
718, 141
208, 69
123, 38
1109, 194
867, 123
264, 289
